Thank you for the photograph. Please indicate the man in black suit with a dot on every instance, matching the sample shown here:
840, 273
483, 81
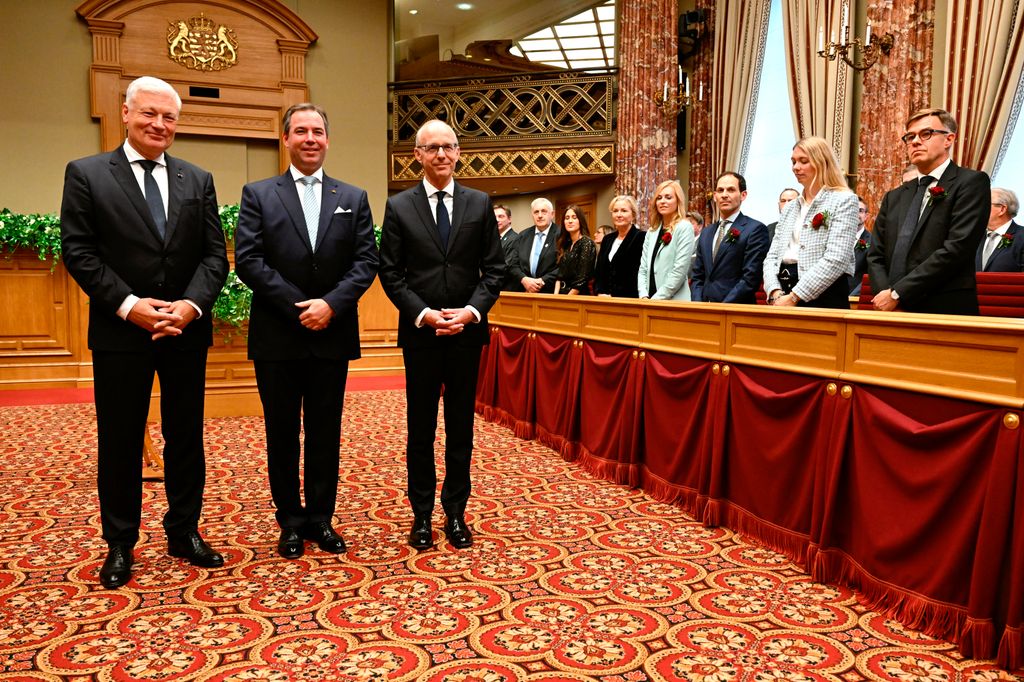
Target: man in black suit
509, 237
1002, 249
141, 235
785, 196
442, 267
533, 266
305, 247
927, 231
860, 250
730, 253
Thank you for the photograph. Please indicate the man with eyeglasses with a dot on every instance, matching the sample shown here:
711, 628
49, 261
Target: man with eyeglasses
1002, 249
860, 250
442, 266
927, 231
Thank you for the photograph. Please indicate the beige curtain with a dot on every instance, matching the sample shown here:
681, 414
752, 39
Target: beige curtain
741, 27
821, 91
983, 73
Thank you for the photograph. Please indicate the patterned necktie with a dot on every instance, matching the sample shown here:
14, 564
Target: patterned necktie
444, 223
722, 229
310, 209
153, 198
898, 265
538, 246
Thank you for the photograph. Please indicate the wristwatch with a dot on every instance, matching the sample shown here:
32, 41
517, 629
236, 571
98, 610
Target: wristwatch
894, 295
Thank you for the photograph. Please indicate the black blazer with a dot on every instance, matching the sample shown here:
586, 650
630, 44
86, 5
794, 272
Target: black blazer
274, 258
547, 264
1006, 259
418, 272
618, 276
508, 249
860, 259
111, 247
940, 264
736, 276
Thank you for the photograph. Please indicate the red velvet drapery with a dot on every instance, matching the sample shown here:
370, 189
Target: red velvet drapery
910, 498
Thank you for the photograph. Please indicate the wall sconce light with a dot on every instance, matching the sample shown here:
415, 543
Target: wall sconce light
848, 50
673, 103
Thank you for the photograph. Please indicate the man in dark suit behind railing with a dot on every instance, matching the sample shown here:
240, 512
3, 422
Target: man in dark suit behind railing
1002, 249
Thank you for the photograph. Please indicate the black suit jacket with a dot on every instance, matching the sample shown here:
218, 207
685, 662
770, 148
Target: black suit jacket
110, 245
418, 272
618, 276
274, 258
547, 264
1006, 259
940, 264
736, 275
860, 258
508, 249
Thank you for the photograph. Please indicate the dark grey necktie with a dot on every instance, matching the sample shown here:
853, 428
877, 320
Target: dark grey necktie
153, 198
444, 224
898, 266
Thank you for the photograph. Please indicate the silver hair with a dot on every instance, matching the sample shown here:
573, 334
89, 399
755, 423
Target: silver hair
541, 201
1007, 198
151, 85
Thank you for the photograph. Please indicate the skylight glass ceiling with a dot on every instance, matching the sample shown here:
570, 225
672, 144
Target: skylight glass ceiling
585, 41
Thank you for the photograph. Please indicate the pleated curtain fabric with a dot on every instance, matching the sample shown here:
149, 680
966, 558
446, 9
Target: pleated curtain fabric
983, 62
820, 91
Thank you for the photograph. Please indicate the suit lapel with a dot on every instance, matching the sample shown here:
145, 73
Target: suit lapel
175, 190
328, 204
947, 180
122, 172
657, 245
427, 219
289, 197
458, 214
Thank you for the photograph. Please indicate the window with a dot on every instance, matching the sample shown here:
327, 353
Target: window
583, 41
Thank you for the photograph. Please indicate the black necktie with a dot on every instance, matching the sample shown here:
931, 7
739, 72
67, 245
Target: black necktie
444, 225
898, 266
153, 198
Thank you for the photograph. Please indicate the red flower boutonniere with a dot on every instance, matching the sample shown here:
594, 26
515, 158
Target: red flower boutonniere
861, 245
733, 235
666, 238
936, 193
1005, 242
820, 220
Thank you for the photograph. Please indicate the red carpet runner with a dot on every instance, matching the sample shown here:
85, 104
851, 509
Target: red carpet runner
570, 578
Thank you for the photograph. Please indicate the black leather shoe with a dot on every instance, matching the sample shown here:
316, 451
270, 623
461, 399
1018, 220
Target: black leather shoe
421, 536
290, 544
117, 568
458, 532
192, 548
322, 534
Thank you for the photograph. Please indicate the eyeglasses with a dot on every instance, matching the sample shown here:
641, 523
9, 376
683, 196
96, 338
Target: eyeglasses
435, 148
924, 135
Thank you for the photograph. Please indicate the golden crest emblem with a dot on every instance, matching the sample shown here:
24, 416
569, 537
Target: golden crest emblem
201, 44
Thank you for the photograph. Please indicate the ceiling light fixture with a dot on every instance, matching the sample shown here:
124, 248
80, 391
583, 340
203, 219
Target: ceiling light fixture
464, 6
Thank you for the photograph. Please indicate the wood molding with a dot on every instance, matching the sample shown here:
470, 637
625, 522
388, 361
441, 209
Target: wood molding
972, 358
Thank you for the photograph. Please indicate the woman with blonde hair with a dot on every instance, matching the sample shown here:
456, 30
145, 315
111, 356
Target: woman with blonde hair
812, 252
618, 260
668, 247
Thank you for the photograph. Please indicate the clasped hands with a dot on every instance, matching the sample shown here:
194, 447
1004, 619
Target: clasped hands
162, 318
448, 321
884, 301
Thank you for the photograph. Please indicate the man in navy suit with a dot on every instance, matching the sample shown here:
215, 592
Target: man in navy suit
1002, 249
305, 247
730, 253
533, 265
860, 250
442, 267
926, 234
141, 235
509, 237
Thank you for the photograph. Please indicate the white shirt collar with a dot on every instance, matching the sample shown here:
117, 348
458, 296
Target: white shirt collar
298, 175
938, 171
448, 189
134, 156
731, 218
1001, 230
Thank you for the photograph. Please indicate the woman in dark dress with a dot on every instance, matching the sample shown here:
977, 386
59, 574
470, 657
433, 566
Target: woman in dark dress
618, 261
576, 254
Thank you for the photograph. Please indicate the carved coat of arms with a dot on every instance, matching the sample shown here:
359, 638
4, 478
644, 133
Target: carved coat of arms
201, 44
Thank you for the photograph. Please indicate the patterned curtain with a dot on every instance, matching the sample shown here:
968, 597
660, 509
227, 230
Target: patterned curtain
820, 90
983, 75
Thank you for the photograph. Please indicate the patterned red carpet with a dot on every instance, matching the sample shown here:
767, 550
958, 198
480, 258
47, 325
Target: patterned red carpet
570, 578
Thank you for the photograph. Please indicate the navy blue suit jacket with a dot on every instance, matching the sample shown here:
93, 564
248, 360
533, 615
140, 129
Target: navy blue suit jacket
1007, 259
274, 257
736, 275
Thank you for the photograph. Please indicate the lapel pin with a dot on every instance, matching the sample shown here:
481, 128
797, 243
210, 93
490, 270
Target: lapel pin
180, 175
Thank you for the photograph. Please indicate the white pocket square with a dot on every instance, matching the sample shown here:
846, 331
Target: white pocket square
342, 210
